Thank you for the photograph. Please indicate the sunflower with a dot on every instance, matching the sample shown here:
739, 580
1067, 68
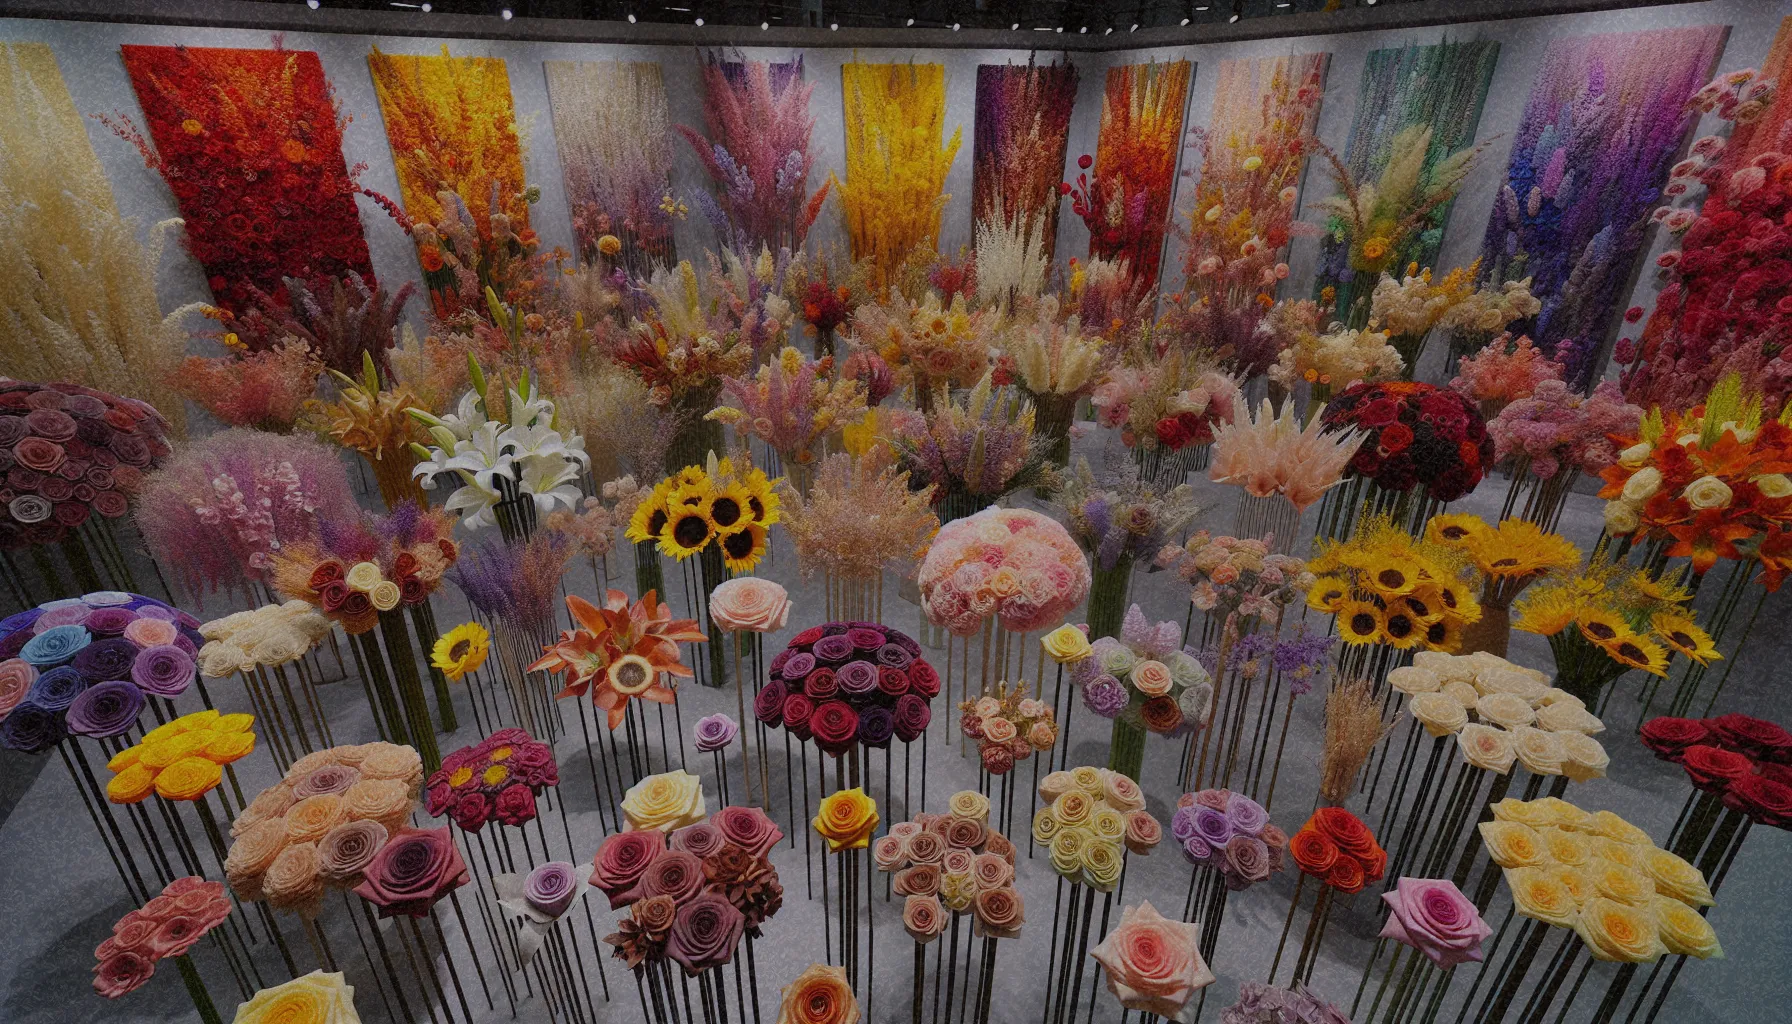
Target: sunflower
684, 496
1603, 627
1422, 604
1683, 635
687, 532
1547, 612
631, 674
1453, 528
743, 548
1327, 594
1401, 630
726, 506
1443, 635
1667, 589
761, 498
1520, 548
1392, 575
650, 517
689, 476
461, 650
1638, 652
1359, 622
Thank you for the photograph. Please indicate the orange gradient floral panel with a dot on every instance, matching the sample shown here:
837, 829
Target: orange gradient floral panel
1135, 164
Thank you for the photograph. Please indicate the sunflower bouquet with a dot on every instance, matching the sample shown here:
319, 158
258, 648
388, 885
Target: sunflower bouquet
1510, 557
719, 504
1607, 619
1387, 588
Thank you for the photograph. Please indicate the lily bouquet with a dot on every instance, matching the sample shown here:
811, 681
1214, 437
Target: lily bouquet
620, 651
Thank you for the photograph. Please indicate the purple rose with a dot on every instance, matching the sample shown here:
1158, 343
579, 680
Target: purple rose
776, 666
105, 710
31, 729
833, 649
894, 656
705, 933
551, 887
876, 725
1247, 858
699, 840
865, 638
1212, 826
1433, 917
102, 660
1196, 849
1246, 815
910, 717
857, 678
799, 666
715, 732
109, 621
675, 873
1182, 823
56, 689
164, 670
1105, 696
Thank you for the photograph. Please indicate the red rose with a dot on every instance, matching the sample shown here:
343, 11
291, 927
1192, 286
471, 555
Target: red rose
356, 604
621, 861
1669, 737
515, 804
1754, 736
1161, 714
1395, 438
412, 590
1779, 773
325, 573
923, 679
332, 595
1346, 876
1345, 829
893, 682
1313, 852
971, 726
404, 564
835, 725
471, 810
1713, 769
797, 711
1762, 799
822, 684
1171, 433
806, 637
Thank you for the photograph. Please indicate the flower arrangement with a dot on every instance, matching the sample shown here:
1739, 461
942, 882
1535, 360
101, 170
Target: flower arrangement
1056, 365
1168, 404
1153, 963
1009, 726
1606, 619
215, 513
1407, 309
791, 405
182, 759
1106, 296
757, 153
590, 524
320, 996
846, 683
619, 652
719, 504
351, 318
611, 128
375, 422
681, 346
1500, 713
1335, 847
1020, 134
352, 571
71, 451
1738, 758
169, 925
1090, 816
1504, 371
1271, 453
1015, 564
536, 901
1229, 833
973, 450
1417, 435
1556, 429
1509, 556
87, 665
1237, 575
498, 777
1267, 1004
1433, 916
1126, 208
266, 390
1478, 319
1387, 588
1703, 480
1339, 358
79, 283
930, 342
1123, 523
501, 454
324, 824
272, 635
895, 164
692, 902
859, 516
1628, 900
953, 862
461, 650
1143, 679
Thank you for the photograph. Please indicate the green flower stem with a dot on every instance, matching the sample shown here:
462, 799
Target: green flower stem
423, 618
410, 688
202, 1000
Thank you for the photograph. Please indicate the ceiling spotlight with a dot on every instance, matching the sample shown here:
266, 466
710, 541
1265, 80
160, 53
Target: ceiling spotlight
426, 8
1015, 27
1108, 31
313, 4
1371, 3
505, 14
1060, 30
1185, 21
955, 26
1083, 31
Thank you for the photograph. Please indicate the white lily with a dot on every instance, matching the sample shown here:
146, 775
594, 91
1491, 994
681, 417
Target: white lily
551, 482
486, 454
474, 501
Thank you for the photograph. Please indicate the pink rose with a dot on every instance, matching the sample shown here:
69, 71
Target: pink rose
749, 604
1152, 678
1152, 963
1432, 916
998, 730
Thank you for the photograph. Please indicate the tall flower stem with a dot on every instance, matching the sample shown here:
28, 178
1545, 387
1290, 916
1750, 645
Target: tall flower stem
202, 1000
410, 687
423, 619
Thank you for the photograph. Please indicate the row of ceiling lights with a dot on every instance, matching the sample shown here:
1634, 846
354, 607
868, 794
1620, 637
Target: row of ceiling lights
765, 26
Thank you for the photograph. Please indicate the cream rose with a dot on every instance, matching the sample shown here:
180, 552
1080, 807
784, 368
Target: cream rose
1439, 713
1708, 492
1066, 644
664, 802
748, 604
1587, 759
1412, 680
364, 576
1486, 747
1636, 454
1151, 678
1506, 710
1526, 812
1565, 717
1539, 751
1462, 691
1642, 485
1774, 485
1621, 518
1055, 785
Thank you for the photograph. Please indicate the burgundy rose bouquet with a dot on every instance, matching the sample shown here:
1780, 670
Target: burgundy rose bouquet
1417, 434
693, 900
68, 451
85, 666
168, 925
849, 682
412, 871
498, 777
1745, 761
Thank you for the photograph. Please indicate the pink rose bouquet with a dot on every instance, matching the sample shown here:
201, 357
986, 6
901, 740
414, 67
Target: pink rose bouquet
168, 925
1008, 726
1152, 962
1015, 564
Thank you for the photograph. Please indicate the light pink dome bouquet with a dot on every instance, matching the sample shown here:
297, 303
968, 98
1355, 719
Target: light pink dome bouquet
1012, 563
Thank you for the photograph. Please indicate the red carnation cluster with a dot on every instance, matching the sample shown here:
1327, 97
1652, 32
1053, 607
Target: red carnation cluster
849, 682
498, 777
68, 451
1418, 434
1335, 847
1746, 761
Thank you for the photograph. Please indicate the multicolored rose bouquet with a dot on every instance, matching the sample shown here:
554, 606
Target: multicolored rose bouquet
953, 862
849, 682
1387, 588
325, 823
182, 759
1627, 899
1418, 435
1014, 564
619, 652
1091, 816
1738, 758
86, 666
1229, 833
352, 571
1335, 847
69, 451
1144, 679
498, 777
1009, 726
1237, 575
168, 925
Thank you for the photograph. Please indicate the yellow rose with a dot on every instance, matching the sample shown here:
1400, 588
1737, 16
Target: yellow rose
663, 802
316, 998
1622, 884
1067, 851
1055, 785
1512, 845
226, 747
364, 576
1605, 823
1674, 877
1107, 824
1101, 864
1074, 808
1534, 813
239, 722
1684, 930
1045, 826
125, 758
1565, 847
384, 595
958, 891
131, 785
164, 752
1576, 882
1708, 492
1066, 644
1440, 713
968, 803
207, 719
1088, 779
1540, 896
189, 778
846, 820
1618, 853
162, 732
1564, 813
1617, 931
